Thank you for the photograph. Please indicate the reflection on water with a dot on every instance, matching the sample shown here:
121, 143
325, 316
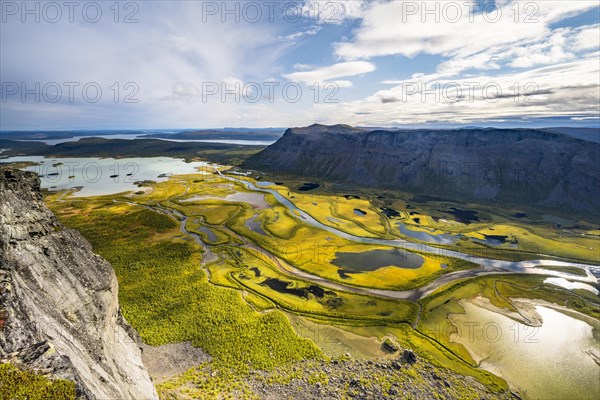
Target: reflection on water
254, 225
526, 266
375, 259
255, 199
442, 238
549, 362
208, 232
562, 282
103, 176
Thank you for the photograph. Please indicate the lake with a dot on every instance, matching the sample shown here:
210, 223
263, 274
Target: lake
104, 176
132, 136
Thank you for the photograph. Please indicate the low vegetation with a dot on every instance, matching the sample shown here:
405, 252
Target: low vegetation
238, 305
17, 384
165, 294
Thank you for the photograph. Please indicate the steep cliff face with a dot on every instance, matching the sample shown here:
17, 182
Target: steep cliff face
507, 166
60, 312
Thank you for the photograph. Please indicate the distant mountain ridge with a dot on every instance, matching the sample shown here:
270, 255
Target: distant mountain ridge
183, 134
214, 134
589, 134
533, 167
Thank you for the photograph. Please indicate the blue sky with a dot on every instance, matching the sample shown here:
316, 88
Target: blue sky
194, 64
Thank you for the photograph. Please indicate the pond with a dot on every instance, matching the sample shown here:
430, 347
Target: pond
305, 187
463, 216
375, 259
441, 238
255, 199
493, 240
208, 232
284, 287
526, 266
254, 225
390, 212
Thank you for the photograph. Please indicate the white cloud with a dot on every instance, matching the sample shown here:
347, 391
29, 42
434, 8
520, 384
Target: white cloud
393, 28
297, 35
236, 87
588, 37
185, 89
303, 67
331, 72
169, 55
334, 11
565, 89
550, 51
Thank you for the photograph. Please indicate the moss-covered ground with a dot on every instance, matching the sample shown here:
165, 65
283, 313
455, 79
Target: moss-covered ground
237, 304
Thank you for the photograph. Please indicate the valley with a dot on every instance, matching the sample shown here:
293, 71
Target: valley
306, 200
225, 260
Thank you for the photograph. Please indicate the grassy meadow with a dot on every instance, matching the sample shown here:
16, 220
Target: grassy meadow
234, 294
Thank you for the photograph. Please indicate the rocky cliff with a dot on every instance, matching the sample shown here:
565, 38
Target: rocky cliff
58, 301
501, 166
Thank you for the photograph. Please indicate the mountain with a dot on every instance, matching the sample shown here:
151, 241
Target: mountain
118, 148
58, 301
508, 167
269, 134
589, 134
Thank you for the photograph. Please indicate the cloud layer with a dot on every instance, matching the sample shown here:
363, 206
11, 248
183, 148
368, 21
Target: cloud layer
381, 56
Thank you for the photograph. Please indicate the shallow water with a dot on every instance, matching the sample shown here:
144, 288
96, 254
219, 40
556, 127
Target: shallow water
264, 183
375, 259
103, 176
441, 238
254, 225
209, 233
255, 199
549, 362
527, 266
571, 285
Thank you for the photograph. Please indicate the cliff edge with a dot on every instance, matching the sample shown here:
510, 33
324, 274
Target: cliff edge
59, 311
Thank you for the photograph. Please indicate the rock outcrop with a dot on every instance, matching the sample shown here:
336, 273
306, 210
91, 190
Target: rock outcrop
511, 167
58, 301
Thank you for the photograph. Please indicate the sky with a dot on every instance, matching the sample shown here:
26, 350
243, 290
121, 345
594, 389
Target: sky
213, 64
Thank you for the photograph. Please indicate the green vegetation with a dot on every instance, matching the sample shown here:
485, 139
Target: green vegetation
165, 295
239, 304
24, 384
390, 345
319, 302
528, 236
208, 383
